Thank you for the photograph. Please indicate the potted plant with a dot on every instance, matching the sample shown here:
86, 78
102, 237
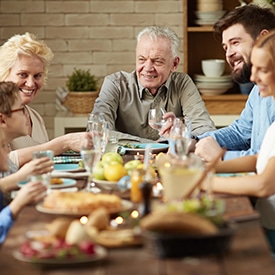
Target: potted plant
83, 91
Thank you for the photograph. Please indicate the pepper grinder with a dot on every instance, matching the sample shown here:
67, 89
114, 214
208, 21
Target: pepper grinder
145, 206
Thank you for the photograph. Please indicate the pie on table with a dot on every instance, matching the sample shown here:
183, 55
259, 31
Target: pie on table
81, 201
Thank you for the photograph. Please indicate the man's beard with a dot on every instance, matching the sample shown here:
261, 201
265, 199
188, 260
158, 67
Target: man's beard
242, 76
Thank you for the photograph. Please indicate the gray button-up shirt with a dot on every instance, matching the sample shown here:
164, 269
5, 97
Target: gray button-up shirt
125, 104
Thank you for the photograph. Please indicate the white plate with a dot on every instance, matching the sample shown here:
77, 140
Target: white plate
209, 15
156, 147
109, 185
66, 183
206, 23
69, 167
221, 85
222, 78
100, 254
126, 205
212, 91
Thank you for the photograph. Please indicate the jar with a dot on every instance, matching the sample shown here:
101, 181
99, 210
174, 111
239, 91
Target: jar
137, 177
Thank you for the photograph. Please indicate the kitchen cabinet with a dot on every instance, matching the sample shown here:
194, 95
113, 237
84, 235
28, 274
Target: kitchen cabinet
199, 43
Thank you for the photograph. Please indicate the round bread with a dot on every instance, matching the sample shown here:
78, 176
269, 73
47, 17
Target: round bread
176, 222
59, 226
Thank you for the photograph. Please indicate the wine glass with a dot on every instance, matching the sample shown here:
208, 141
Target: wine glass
90, 156
156, 120
180, 137
99, 130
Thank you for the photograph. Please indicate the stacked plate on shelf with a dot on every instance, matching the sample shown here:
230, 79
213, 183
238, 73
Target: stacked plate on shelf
209, 11
213, 85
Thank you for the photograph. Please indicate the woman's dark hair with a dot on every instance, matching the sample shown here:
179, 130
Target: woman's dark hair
253, 18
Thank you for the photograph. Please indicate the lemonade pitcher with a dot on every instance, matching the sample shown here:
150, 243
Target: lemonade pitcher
179, 176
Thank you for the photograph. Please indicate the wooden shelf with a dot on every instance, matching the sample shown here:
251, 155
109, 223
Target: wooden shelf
201, 29
199, 43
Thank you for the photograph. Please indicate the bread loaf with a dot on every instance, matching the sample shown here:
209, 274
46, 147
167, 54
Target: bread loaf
176, 222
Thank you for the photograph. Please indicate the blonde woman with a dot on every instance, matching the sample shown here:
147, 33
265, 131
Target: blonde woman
25, 61
262, 184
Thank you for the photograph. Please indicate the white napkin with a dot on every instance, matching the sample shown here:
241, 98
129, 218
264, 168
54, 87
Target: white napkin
60, 174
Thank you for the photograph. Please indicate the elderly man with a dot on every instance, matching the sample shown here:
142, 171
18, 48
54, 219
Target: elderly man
126, 98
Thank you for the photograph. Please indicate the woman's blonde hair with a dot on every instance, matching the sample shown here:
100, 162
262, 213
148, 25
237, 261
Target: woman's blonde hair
25, 44
267, 42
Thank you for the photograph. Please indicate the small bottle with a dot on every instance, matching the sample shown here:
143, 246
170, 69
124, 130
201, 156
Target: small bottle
145, 206
137, 177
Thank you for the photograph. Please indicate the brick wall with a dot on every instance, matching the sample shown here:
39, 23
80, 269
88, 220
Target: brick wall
96, 35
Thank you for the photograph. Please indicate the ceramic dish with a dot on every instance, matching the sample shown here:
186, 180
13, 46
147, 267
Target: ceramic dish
212, 91
204, 78
165, 245
108, 185
66, 183
69, 167
100, 254
126, 205
209, 85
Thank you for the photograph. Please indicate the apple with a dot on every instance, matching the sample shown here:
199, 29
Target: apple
131, 165
112, 156
98, 171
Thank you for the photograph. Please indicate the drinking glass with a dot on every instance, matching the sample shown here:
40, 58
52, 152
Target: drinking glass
90, 156
180, 137
155, 118
44, 178
179, 176
99, 130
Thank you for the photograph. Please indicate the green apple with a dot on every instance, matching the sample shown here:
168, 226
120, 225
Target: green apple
131, 165
112, 157
98, 171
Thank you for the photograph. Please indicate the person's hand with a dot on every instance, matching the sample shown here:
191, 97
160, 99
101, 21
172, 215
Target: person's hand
165, 130
30, 193
207, 148
35, 167
75, 140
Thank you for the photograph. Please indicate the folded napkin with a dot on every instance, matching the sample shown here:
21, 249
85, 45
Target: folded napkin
66, 159
61, 174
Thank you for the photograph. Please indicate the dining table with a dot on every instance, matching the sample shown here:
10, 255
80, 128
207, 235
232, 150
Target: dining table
248, 252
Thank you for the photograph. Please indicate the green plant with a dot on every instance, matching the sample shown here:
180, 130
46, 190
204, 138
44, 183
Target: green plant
81, 81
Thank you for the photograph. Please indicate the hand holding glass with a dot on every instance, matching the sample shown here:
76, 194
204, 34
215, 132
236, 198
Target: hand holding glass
44, 178
155, 118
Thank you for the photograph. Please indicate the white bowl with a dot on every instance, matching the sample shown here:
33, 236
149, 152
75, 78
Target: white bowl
209, 6
212, 91
213, 67
214, 85
209, 15
203, 78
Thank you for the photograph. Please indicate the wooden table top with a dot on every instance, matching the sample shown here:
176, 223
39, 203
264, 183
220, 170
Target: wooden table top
248, 253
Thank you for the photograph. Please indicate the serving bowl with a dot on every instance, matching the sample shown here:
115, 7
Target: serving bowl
164, 245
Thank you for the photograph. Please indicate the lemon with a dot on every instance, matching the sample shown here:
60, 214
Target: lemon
114, 172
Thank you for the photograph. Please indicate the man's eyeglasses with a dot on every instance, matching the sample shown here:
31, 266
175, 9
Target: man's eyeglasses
23, 109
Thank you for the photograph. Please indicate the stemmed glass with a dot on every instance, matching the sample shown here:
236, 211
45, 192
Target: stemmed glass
180, 137
99, 130
155, 118
90, 156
